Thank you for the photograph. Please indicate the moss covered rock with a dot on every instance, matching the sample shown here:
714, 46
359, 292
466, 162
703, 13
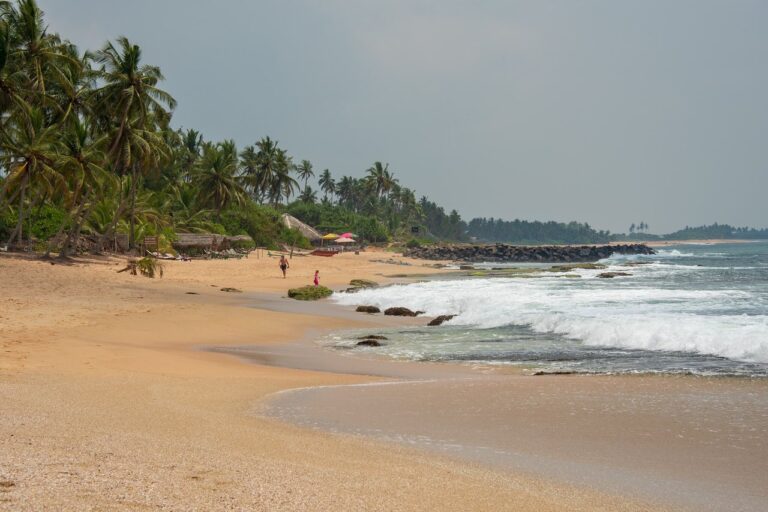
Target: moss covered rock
309, 292
363, 283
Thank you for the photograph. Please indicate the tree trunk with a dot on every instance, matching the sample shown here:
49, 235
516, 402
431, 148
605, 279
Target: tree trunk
74, 230
111, 229
132, 211
19, 231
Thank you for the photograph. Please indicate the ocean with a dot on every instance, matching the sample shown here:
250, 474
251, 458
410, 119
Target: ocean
696, 309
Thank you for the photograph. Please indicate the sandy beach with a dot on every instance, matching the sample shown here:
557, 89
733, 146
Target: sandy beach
110, 401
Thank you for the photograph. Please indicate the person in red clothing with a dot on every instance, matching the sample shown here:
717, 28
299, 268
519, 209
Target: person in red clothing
317, 277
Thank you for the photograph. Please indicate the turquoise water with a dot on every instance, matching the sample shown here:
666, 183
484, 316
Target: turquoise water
699, 309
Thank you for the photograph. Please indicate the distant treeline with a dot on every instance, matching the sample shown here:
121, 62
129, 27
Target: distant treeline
716, 231
530, 232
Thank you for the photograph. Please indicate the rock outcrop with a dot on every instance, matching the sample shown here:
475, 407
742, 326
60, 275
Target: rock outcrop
367, 309
524, 253
611, 275
401, 312
440, 319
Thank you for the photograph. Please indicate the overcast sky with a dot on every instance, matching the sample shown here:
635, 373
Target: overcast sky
609, 112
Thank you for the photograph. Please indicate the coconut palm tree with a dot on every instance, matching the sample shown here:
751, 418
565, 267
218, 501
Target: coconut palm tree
216, 178
380, 179
327, 185
304, 171
33, 45
282, 184
12, 76
131, 107
308, 195
28, 150
81, 158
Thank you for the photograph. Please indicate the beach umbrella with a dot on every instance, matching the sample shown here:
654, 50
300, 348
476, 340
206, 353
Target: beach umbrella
347, 235
329, 236
345, 240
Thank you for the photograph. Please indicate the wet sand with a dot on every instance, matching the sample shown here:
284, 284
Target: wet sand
691, 442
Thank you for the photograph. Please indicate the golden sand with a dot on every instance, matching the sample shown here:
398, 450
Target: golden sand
108, 403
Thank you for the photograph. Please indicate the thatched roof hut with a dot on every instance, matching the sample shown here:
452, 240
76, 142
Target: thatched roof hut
308, 231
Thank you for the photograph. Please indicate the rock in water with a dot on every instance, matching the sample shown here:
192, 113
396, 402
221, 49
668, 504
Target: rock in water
611, 275
440, 319
367, 309
363, 283
368, 343
399, 312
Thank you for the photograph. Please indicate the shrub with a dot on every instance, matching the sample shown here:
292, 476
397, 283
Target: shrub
47, 221
7, 223
412, 243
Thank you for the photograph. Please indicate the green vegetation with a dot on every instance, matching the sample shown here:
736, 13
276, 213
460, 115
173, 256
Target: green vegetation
310, 292
87, 148
148, 267
535, 232
718, 231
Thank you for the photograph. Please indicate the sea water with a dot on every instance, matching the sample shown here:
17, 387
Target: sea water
700, 309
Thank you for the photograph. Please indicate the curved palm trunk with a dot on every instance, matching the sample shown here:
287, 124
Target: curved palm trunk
74, 232
110, 231
132, 210
19, 231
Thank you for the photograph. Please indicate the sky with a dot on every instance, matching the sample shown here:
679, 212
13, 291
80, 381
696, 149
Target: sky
608, 112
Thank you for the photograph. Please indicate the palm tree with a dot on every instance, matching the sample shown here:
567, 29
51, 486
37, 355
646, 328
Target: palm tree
380, 179
327, 185
262, 168
304, 171
308, 195
11, 75
28, 152
216, 178
32, 44
81, 158
282, 184
131, 105
345, 190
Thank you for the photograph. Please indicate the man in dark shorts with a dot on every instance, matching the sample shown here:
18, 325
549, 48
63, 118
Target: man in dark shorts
283, 265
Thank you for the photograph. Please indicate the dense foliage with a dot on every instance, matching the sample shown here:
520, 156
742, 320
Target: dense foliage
529, 232
717, 231
87, 148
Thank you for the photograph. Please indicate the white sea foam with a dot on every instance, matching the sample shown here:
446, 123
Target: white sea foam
629, 313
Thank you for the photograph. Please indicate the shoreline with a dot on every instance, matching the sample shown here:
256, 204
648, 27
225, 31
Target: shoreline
650, 454
109, 403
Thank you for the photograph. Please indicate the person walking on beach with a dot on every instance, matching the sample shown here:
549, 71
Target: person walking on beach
317, 277
283, 264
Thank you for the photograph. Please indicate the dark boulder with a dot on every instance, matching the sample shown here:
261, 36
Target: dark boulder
611, 275
368, 343
440, 319
367, 309
399, 312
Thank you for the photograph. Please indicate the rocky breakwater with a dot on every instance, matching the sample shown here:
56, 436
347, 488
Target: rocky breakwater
524, 253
